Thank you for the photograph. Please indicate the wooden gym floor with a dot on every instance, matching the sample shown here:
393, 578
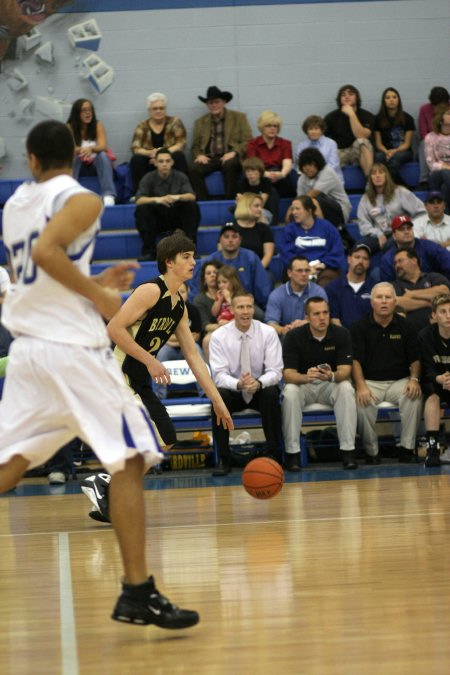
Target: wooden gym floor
335, 576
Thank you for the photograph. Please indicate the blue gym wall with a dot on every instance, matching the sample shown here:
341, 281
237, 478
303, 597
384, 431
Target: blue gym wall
289, 57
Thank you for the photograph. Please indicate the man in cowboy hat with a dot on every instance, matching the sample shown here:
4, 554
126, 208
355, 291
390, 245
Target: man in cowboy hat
218, 143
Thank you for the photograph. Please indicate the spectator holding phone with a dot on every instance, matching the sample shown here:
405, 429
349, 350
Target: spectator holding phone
317, 367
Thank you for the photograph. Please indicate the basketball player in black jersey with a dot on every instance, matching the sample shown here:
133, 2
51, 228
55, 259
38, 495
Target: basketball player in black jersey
144, 323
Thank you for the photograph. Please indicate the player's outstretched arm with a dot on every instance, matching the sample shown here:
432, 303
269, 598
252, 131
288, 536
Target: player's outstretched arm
49, 252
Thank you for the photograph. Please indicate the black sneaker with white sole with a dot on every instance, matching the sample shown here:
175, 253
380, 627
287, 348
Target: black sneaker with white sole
96, 488
144, 604
98, 516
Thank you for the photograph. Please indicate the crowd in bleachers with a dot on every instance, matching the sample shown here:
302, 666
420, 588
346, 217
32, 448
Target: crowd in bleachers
399, 237
380, 144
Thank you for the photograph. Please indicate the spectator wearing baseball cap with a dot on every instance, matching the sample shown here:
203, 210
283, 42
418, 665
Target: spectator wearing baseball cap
432, 256
252, 274
434, 224
399, 222
228, 227
349, 295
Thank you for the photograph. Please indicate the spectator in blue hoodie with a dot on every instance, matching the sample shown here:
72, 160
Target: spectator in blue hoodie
316, 239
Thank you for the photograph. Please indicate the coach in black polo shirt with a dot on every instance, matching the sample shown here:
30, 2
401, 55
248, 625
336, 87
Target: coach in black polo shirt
386, 367
165, 201
317, 367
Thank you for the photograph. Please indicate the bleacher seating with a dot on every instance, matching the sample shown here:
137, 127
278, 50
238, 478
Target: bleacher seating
318, 414
7, 187
194, 414
119, 239
146, 271
354, 179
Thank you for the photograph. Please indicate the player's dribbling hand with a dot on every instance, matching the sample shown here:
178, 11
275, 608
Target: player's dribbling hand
223, 416
108, 302
158, 372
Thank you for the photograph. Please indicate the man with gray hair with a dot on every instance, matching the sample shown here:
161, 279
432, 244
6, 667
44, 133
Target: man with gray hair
386, 367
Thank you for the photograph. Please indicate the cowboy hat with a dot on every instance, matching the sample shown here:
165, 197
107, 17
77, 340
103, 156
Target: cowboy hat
214, 92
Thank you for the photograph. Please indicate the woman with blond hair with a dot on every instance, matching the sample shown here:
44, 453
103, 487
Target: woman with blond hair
383, 200
255, 234
159, 130
274, 151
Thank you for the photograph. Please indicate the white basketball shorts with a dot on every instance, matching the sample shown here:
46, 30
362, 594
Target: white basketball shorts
54, 392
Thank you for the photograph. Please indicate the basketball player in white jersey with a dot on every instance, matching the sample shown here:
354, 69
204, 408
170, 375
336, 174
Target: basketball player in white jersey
62, 378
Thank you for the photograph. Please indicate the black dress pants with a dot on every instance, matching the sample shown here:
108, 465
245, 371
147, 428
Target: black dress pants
267, 402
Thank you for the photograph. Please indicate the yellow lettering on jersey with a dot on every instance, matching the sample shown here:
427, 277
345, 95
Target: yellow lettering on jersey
154, 345
170, 326
440, 358
394, 336
164, 323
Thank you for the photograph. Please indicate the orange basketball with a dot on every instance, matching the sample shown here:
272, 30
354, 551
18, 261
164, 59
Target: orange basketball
263, 478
